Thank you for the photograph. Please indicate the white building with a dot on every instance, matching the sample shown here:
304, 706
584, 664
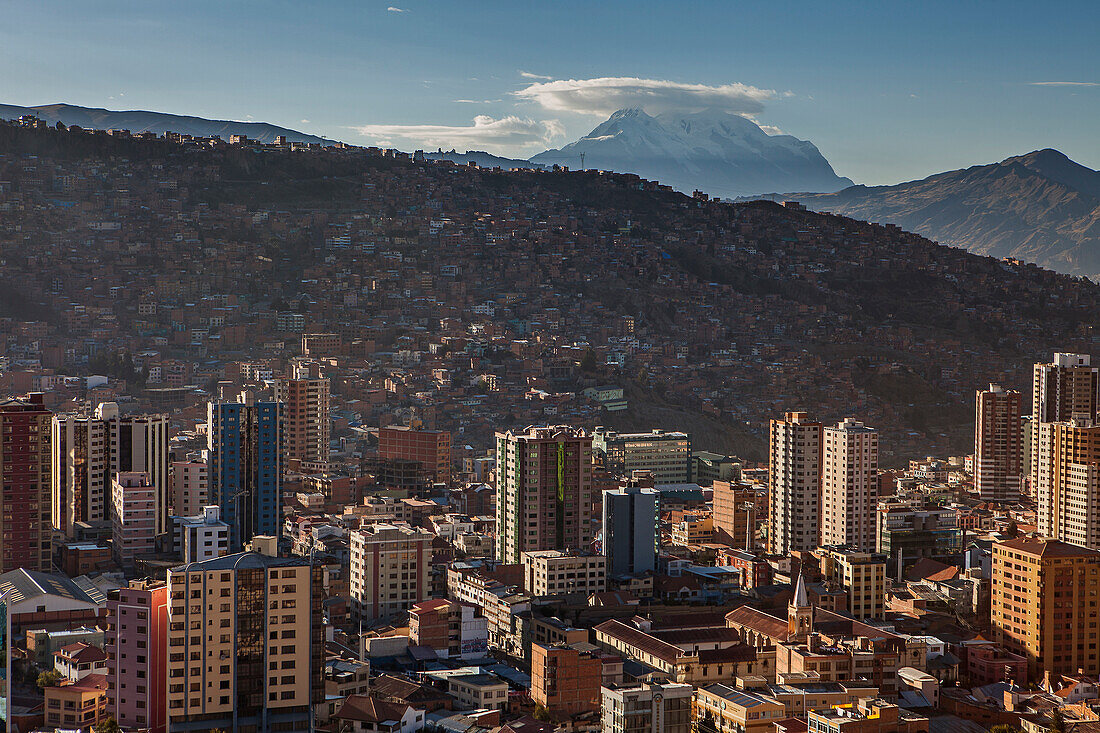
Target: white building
849, 484
201, 537
646, 708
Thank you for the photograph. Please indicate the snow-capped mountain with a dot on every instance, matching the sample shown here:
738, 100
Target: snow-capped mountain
718, 152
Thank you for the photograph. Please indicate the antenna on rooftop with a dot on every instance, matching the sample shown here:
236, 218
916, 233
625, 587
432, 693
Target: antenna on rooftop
582, 161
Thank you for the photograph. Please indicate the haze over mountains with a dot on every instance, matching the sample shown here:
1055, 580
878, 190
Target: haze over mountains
1041, 207
718, 152
159, 122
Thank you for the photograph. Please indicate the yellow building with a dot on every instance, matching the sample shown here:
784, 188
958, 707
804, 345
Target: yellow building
1043, 604
694, 529
861, 574
245, 649
724, 709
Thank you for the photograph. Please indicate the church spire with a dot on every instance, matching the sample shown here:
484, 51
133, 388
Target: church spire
800, 614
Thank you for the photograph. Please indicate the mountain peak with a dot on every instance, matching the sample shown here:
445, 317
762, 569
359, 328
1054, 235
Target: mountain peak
714, 150
1056, 166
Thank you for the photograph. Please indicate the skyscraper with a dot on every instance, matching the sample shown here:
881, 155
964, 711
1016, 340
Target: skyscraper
25, 531
89, 450
308, 426
245, 644
630, 534
849, 488
544, 491
998, 444
794, 483
245, 468
1068, 489
1065, 388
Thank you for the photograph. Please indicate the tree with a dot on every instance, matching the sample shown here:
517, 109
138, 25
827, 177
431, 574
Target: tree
588, 361
49, 678
107, 725
1012, 530
1057, 721
1004, 728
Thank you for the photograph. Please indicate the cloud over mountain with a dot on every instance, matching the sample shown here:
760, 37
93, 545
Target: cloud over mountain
493, 135
604, 95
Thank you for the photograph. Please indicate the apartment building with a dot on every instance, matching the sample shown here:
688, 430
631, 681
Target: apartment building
794, 483
861, 574
390, 570
26, 534
245, 645
551, 572
849, 484
136, 642
133, 523
1043, 604
544, 491
629, 530
998, 444
190, 487
1066, 387
1068, 489
89, 450
667, 454
308, 426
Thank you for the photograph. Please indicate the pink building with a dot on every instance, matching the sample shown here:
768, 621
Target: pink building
987, 664
136, 642
134, 521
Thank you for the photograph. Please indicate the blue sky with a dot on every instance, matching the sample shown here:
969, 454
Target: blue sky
888, 91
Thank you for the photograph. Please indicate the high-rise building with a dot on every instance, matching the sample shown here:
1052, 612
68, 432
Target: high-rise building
1068, 489
25, 531
998, 444
308, 427
190, 487
89, 450
647, 707
666, 453
1043, 604
544, 491
631, 537
794, 483
245, 468
849, 484
431, 449
391, 568
133, 533
245, 644
136, 642
1065, 388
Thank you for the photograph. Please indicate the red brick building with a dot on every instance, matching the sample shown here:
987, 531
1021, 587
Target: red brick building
26, 528
430, 448
564, 680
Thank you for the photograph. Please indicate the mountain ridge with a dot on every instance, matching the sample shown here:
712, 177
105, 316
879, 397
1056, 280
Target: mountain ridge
159, 122
1039, 207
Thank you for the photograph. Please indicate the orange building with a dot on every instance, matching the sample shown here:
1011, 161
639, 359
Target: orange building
78, 705
1043, 604
430, 448
564, 680
737, 508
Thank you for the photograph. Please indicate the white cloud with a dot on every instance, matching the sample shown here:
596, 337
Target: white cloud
771, 130
529, 75
395, 9
304, 121
605, 95
505, 134
1064, 84
476, 101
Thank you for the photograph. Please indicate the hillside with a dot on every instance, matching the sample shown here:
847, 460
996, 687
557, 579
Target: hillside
1040, 207
713, 315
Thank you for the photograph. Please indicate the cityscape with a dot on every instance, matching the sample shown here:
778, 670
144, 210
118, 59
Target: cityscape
669, 429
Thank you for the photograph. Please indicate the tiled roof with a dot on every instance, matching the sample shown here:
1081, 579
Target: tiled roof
640, 640
367, 709
758, 621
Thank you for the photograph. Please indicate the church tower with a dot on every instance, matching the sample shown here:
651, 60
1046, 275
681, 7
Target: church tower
800, 614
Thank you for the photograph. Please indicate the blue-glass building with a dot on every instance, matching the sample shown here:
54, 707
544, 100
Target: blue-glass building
245, 440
